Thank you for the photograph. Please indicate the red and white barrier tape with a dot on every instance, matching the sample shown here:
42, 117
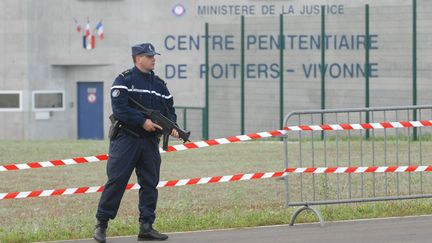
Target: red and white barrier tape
334, 127
361, 169
227, 178
183, 182
219, 141
51, 163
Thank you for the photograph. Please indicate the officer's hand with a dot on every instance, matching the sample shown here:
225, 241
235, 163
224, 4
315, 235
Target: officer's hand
174, 133
150, 126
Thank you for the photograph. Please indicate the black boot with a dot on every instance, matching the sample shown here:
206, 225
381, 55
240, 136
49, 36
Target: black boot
147, 233
100, 231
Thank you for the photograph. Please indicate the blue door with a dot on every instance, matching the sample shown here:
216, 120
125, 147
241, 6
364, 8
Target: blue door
90, 110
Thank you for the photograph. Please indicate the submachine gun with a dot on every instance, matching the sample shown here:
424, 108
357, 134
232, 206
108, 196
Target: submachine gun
166, 124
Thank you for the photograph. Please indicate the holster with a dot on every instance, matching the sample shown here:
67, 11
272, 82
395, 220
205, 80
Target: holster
117, 127
114, 128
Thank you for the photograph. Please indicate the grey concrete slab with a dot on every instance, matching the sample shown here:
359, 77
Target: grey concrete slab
405, 229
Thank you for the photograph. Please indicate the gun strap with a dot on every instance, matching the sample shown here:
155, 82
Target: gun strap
126, 130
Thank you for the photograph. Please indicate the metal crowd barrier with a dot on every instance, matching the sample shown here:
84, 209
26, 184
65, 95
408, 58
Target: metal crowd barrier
374, 147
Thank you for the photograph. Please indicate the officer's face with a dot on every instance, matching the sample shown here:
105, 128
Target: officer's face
145, 62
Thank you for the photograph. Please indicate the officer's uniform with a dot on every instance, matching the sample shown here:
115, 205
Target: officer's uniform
138, 150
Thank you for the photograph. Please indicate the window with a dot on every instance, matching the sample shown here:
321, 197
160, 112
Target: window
48, 100
10, 100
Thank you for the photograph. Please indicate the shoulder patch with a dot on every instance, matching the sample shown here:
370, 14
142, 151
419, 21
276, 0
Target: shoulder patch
115, 93
160, 80
126, 73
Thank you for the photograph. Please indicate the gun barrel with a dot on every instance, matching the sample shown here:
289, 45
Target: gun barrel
184, 135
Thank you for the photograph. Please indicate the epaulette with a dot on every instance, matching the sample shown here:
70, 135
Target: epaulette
126, 73
161, 80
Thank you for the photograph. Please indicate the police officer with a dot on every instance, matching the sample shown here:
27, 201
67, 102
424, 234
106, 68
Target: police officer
136, 145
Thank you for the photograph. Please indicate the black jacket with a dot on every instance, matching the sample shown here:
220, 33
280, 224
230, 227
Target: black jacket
146, 88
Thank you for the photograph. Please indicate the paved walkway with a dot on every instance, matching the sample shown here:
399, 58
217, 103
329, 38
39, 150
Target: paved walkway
406, 229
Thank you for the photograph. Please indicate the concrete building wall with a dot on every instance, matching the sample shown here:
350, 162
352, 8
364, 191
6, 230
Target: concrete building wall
41, 50
13, 64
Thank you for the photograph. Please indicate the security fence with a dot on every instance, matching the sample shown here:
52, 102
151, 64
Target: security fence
191, 119
259, 68
395, 145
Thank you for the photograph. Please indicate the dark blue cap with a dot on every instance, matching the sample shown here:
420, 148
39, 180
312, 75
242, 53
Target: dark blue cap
144, 49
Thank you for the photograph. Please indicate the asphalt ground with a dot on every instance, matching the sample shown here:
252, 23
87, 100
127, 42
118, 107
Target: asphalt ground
405, 229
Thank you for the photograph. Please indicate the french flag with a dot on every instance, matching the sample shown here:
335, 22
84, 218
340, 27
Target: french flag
99, 30
78, 26
89, 44
88, 38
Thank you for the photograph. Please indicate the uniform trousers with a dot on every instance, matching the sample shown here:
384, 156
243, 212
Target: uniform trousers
127, 153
